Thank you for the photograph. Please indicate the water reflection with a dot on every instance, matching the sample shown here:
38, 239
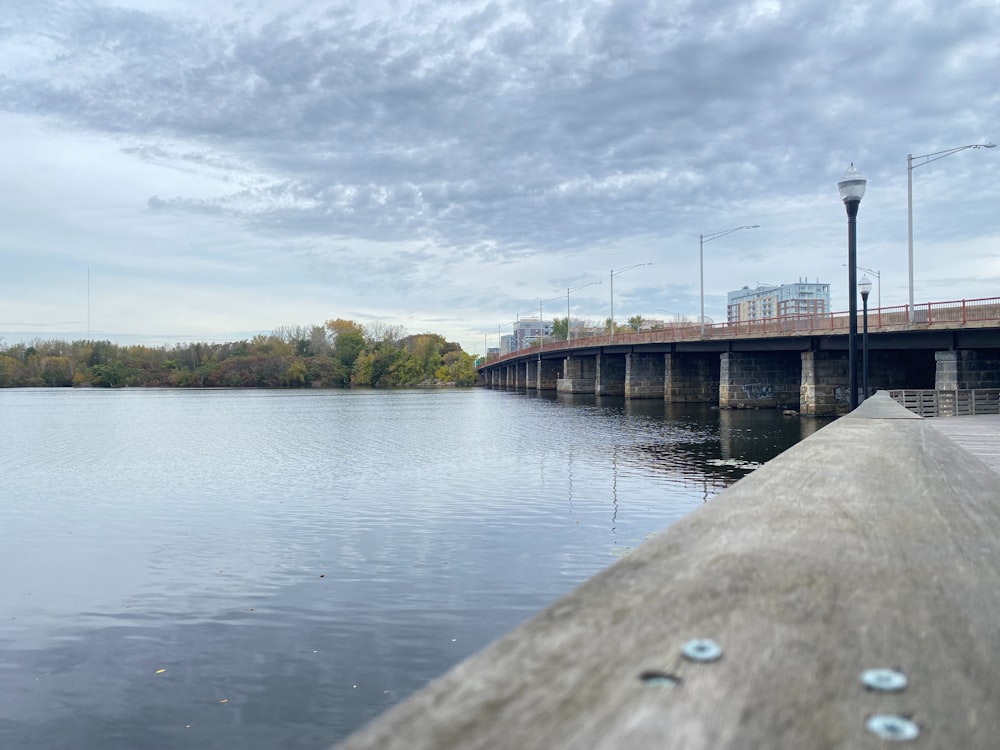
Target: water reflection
297, 562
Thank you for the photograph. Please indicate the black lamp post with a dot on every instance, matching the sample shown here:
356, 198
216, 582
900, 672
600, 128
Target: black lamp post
865, 287
852, 190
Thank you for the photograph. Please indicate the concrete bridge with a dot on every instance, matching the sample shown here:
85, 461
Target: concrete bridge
796, 362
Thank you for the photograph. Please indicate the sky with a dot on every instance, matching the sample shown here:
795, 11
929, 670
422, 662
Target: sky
189, 171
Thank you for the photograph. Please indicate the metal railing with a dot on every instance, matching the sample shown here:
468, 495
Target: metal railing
880, 320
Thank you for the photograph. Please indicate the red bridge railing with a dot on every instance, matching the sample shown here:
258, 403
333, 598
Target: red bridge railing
950, 314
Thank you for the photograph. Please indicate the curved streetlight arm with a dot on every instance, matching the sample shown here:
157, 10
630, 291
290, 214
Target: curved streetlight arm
910, 166
616, 271
928, 158
715, 235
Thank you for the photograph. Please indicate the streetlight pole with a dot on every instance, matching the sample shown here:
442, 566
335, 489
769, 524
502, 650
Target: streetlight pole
702, 239
613, 274
568, 290
865, 287
910, 166
852, 190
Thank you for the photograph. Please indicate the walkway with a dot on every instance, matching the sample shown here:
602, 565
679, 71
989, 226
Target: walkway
980, 435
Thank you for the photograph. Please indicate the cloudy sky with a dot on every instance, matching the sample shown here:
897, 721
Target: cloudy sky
193, 170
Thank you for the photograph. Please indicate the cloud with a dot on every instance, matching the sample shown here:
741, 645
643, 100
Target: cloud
498, 135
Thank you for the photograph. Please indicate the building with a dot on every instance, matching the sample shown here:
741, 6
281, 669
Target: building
525, 335
788, 300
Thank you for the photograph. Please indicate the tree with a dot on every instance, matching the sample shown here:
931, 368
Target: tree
560, 328
348, 341
635, 322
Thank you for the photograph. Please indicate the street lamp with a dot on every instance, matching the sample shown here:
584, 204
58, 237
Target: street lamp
702, 239
878, 278
852, 190
865, 287
910, 166
613, 274
568, 290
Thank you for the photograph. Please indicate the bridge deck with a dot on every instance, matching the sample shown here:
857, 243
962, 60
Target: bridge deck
980, 435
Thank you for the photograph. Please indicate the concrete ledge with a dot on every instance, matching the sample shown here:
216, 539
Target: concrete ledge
871, 544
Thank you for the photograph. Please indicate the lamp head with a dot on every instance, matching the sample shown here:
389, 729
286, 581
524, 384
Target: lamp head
865, 287
852, 187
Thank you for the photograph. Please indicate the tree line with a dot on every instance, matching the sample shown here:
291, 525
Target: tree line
339, 353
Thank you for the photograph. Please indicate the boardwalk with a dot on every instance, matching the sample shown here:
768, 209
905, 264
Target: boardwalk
980, 435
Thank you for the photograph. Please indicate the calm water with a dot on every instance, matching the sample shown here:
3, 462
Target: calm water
265, 569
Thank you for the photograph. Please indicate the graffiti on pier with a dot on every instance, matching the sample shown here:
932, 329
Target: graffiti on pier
758, 391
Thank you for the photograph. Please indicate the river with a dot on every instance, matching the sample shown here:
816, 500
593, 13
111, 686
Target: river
271, 569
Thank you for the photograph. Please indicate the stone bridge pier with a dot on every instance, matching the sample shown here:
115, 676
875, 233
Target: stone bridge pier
579, 374
644, 375
611, 375
749, 380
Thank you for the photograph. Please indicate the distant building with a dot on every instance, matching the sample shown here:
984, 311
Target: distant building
525, 335
788, 300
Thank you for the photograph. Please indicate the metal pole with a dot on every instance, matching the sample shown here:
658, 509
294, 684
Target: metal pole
701, 273
852, 286
909, 228
864, 349
567, 319
612, 305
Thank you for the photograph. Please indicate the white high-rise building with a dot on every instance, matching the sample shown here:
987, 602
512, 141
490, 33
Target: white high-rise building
788, 300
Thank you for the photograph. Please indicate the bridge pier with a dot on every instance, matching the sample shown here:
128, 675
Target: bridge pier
824, 387
549, 374
962, 369
612, 374
749, 380
644, 375
531, 374
579, 374
691, 378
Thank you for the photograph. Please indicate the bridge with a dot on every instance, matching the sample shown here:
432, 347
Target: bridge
792, 362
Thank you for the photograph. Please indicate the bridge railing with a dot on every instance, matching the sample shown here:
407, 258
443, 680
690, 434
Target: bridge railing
893, 318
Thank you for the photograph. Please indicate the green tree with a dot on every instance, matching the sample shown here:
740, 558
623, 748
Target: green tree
348, 341
635, 322
560, 328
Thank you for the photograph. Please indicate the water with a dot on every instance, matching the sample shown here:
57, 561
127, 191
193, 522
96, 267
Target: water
263, 569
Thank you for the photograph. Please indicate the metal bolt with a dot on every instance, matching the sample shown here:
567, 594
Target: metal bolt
890, 727
659, 679
883, 680
701, 649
